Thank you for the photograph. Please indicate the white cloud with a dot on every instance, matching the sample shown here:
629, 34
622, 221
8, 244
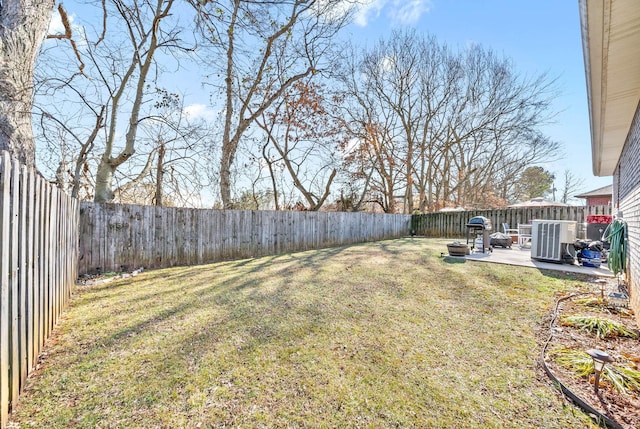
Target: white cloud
409, 12
366, 9
199, 111
55, 25
403, 12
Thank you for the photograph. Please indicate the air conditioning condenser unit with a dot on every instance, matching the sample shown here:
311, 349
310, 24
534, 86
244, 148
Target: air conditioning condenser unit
549, 238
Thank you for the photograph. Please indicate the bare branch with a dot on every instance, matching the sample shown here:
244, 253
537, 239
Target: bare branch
68, 35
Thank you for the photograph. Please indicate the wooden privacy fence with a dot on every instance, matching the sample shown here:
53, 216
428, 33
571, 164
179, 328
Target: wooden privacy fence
120, 237
40, 229
453, 224
38, 254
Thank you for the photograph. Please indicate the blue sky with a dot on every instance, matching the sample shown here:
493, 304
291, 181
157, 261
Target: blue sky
539, 36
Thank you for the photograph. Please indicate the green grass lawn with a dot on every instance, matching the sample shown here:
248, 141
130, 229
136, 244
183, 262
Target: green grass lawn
378, 335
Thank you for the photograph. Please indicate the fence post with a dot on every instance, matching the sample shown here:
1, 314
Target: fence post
5, 326
14, 296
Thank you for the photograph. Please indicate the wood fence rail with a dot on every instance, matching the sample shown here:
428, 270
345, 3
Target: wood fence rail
117, 237
38, 254
453, 224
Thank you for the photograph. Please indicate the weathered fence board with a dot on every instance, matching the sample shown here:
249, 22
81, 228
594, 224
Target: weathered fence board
38, 252
453, 224
5, 275
153, 237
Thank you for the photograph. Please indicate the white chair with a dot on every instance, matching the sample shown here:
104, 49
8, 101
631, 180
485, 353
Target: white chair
511, 232
507, 230
524, 235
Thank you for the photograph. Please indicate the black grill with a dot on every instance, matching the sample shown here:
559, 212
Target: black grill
479, 225
480, 222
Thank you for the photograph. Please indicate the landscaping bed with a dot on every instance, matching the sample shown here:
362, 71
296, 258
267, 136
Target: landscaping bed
588, 320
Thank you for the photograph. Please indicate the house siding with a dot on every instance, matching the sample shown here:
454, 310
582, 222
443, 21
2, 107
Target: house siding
598, 201
626, 194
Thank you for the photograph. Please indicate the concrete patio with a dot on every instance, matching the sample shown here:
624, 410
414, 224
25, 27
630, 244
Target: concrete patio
522, 257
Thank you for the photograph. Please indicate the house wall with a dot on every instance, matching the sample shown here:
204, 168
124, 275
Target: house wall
626, 194
598, 201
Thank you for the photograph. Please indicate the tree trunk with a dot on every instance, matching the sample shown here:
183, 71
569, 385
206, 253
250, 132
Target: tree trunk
159, 175
228, 147
104, 178
23, 24
272, 173
225, 181
226, 160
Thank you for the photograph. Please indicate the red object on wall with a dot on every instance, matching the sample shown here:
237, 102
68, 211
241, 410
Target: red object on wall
599, 219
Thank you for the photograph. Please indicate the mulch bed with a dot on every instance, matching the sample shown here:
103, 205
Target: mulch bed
623, 408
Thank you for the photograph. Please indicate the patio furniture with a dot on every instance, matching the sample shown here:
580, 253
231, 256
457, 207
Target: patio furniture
512, 232
524, 235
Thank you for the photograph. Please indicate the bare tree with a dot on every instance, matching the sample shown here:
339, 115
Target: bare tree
463, 123
571, 185
496, 125
267, 47
373, 159
306, 138
110, 78
144, 29
177, 153
376, 160
23, 25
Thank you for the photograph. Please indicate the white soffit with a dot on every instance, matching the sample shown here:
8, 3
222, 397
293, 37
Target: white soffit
611, 42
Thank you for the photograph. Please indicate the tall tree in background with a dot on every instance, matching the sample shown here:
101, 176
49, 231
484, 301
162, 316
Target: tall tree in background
534, 182
144, 27
570, 186
495, 126
372, 161
95, 96
263, 48
462, 123
175, 153
23, 25
375, 157
393, 72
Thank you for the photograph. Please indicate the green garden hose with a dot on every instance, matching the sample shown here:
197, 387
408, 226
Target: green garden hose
616, 234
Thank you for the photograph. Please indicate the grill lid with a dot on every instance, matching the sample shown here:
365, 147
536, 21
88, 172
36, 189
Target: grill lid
480, 222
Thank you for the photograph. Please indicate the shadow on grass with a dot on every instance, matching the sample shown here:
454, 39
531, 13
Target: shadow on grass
232, 288
328, 331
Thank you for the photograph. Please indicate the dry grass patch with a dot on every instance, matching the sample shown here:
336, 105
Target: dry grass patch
383, 334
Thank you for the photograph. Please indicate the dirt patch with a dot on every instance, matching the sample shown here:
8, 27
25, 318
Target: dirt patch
621, 407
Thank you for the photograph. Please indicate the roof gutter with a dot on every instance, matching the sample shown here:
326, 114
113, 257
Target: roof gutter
584, 28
